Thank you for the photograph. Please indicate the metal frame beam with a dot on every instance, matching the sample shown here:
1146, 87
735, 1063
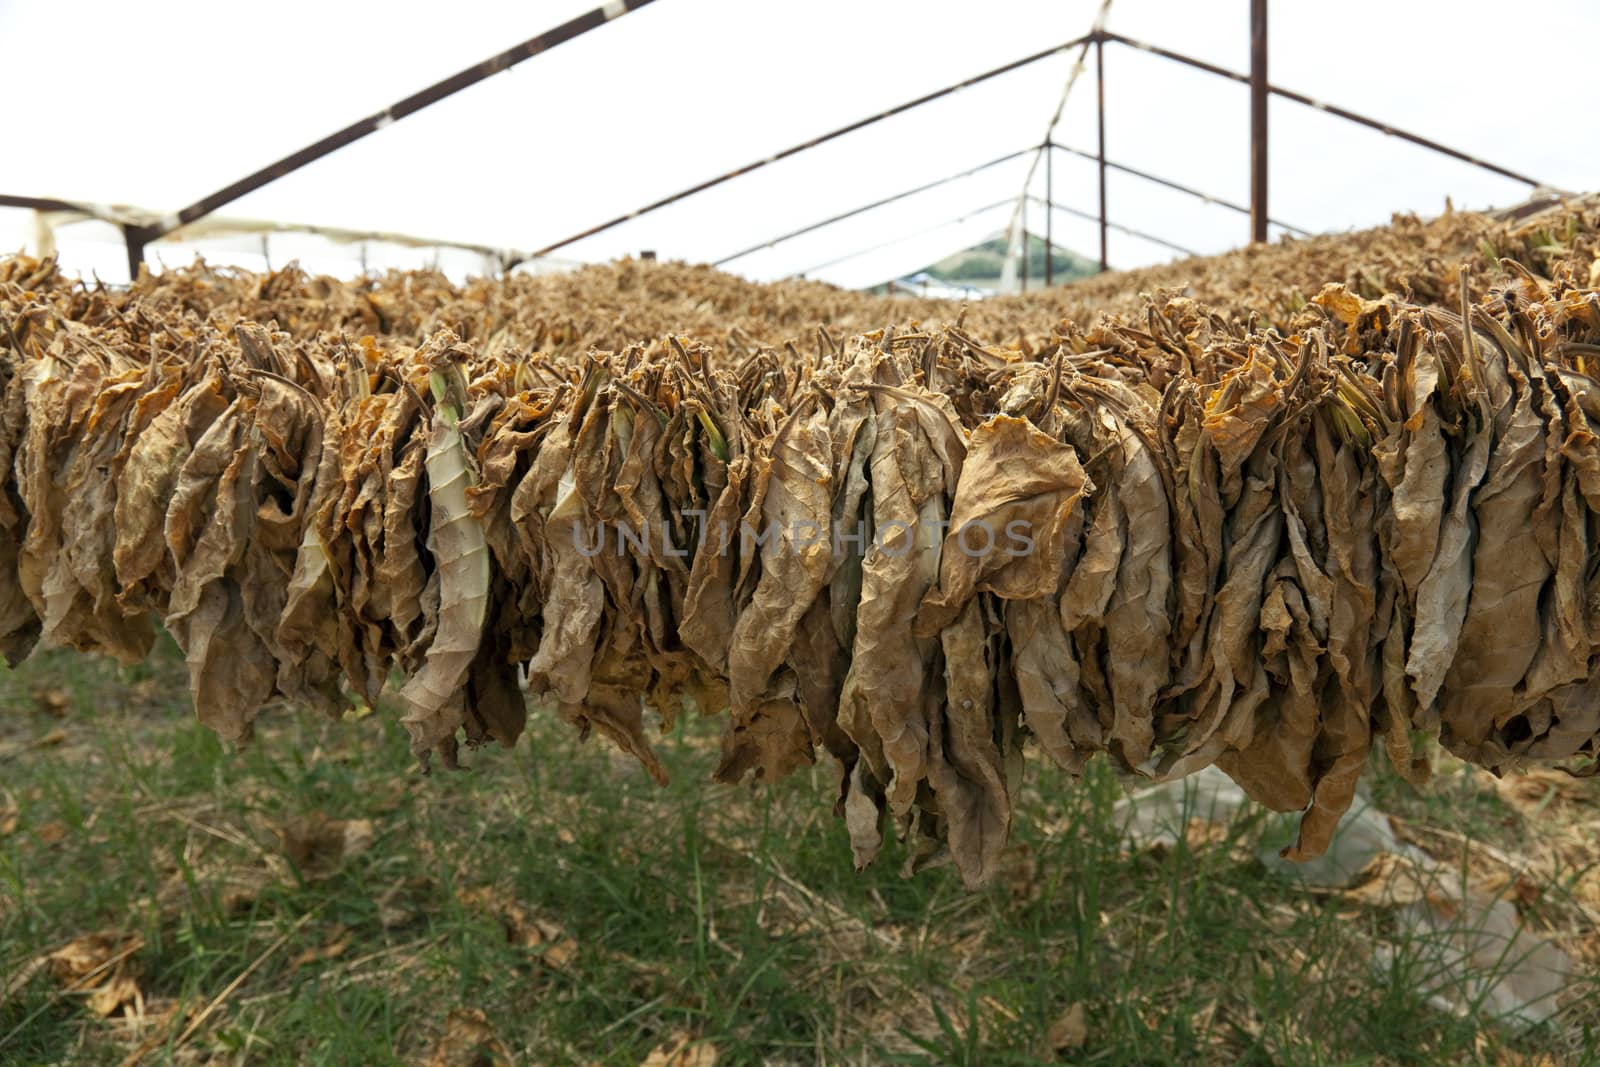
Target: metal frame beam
1049, 248
737, 172
1176, 186
947, 179
1048, 200
1049, 217
1100, 136
502, 61
1129, 230
1343, 113
36, 203
1258, 120
1009, 201
1022, 220
130, 233
1092, 217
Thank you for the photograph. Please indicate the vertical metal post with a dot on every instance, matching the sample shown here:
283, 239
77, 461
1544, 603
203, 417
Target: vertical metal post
135, 243
1049, 213
1100, 93
1023, 211
1258, 120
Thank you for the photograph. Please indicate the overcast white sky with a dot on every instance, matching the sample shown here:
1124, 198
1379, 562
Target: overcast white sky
158, 103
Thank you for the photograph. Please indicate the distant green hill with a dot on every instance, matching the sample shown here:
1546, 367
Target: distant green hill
983, 263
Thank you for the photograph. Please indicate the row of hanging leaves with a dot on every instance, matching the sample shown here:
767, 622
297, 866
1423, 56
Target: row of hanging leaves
1179, 536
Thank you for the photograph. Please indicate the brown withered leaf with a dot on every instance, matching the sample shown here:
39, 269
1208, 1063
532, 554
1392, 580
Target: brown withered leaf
1137, 618
575, 595
146, 486
336, 943
1537, 789
469, 1040
209, 521
461, 558
540, 935
1019, 489
1442, 595
103, 965
916, 460
53, 700
681, 1050
1501, 631
319, 846
965, 763
1069, 1031
1416, 468
1240, 410
796, 553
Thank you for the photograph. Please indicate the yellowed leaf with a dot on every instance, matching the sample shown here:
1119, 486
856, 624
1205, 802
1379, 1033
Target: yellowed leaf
522, 927
85, 956
1069, 1031
102, 964
682, 1051
1341, 303
318, 846
121, 989
469, 1041
561, 952
53, 700
336, 944
1535, 789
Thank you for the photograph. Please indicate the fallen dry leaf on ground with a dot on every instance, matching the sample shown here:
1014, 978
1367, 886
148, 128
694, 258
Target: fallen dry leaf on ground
334, 945
1069, 1031
1534, 790
681, 1051
538, 934
53, 700
103, 965
469, 1041
318, 846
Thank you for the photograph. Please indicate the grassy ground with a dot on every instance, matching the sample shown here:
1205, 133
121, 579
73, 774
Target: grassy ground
313, 900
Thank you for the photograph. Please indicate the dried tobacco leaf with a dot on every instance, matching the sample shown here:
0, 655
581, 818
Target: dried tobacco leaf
208, 525
915, 461
435, 693
1014, 503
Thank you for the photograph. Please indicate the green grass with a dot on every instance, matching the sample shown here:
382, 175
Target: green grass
592, 916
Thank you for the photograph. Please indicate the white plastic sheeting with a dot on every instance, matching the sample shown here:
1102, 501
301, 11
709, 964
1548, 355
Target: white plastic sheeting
159, 104
1467, 949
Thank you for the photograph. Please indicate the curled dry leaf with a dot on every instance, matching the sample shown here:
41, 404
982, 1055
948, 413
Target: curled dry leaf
318, 846
469, 1040
1069, 1030
104, 966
